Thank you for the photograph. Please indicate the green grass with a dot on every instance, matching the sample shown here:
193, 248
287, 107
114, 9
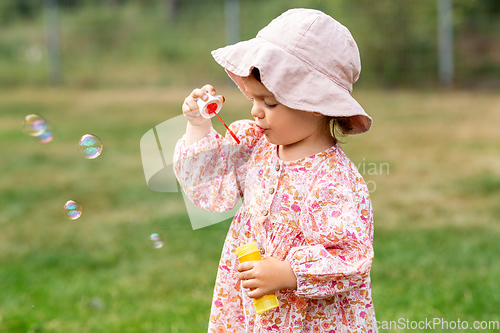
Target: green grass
448, 273
436, 212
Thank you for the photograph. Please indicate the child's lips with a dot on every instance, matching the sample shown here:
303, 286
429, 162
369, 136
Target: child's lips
262, 129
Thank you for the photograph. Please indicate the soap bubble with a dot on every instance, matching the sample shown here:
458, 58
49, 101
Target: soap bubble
157, 243
72, 209
36, 126
46, 137
90, 146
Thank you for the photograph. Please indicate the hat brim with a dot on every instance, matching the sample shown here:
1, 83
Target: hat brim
294, 82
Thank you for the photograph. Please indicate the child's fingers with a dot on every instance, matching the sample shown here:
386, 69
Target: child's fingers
250, 284
202, 92
246, 275
209, 88
256, 293
198, 93
245, 266
189, 105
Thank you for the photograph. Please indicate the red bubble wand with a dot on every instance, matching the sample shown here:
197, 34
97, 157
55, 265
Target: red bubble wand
210, 108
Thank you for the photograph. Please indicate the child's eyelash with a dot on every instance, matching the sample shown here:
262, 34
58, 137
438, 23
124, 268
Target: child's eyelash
267, 105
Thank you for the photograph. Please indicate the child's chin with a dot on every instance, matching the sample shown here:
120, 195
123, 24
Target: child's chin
270, 139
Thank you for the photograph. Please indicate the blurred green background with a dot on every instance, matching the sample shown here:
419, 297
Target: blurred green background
432, 160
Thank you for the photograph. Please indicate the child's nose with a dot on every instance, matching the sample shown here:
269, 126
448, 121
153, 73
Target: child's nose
257, 112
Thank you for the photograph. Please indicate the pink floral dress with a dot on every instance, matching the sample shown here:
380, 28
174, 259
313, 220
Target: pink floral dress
314, 212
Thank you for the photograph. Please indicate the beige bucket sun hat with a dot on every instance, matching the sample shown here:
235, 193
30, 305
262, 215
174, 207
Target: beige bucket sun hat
308, 60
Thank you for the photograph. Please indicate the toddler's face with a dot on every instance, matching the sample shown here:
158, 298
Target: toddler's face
282, 125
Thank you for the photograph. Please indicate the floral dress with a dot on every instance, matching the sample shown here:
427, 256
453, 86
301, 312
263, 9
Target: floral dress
314, 212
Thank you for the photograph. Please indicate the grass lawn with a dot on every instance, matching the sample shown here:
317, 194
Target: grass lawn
432, 161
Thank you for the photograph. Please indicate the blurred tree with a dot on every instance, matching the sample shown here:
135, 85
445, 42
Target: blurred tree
397, 40
478, 41
470, 8
11, 10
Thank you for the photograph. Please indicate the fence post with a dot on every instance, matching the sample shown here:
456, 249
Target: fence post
52, 41
172, 8
445, 42
232, 12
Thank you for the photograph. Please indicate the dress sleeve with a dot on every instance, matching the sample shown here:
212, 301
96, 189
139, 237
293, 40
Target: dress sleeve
212, 170
337, 223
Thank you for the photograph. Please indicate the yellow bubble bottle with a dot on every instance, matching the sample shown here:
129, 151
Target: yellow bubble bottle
250, 252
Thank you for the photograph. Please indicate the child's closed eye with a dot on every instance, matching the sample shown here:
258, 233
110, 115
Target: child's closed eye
270, 106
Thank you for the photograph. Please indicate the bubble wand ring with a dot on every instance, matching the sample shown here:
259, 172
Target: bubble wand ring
210, 108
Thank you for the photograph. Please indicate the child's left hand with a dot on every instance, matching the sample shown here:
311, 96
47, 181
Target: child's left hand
266, 276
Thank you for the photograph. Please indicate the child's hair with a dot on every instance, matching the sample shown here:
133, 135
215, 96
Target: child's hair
338, 126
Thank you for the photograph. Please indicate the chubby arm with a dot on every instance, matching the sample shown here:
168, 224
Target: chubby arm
339, 253
209, 167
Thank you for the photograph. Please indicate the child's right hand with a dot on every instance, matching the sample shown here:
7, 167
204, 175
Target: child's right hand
190, 107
